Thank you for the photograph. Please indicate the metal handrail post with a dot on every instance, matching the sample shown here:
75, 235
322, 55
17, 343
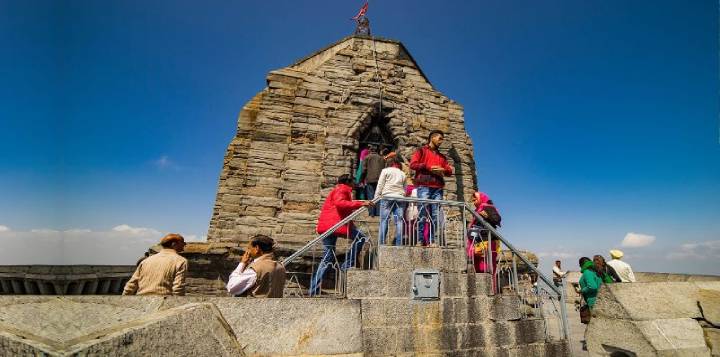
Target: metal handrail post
515, 274
563, 311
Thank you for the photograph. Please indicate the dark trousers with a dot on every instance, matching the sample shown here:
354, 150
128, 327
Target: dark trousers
370, 188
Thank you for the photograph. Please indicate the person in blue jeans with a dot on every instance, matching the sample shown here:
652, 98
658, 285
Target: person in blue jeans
431, 167
329, 260
391, 184
372, 165
338, 205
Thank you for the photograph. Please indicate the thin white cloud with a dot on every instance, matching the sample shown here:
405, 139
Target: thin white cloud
697, 251
136, 230
637, 240
44, 231
557, 255
4, 228
195, 238
164, 163
77, 230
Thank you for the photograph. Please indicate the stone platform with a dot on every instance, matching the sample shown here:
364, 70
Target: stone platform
379, 318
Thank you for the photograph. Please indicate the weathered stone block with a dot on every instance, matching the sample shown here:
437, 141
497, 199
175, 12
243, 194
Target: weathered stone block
392, 258
366, 284
529, 331
505, 308
473, 336
712, 338
676, 337
709, 303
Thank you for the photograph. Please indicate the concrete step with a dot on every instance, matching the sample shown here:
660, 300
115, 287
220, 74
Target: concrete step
409, 258
363, 284
521, 338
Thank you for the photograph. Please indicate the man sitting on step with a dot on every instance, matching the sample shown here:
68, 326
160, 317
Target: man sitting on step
263, 277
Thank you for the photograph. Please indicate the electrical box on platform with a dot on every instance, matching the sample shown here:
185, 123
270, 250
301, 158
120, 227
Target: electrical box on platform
426, 284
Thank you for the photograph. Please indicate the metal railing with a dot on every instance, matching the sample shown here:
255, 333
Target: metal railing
316, 269
554, 293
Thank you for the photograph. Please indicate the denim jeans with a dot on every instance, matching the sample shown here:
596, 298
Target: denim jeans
397, 209
424, 209
329, 258
369, 195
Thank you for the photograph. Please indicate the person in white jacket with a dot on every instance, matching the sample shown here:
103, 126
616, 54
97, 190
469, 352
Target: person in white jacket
391, 184
623, 270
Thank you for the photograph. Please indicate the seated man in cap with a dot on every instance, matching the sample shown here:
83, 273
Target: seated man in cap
623, 270
263, 277
162, 273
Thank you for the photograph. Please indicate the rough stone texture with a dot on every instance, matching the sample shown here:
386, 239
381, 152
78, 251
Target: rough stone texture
289, 326
465, 321
709, 303
296, 136
654, 319
60, 326
712, 338
650, 301
188, 330
407, 259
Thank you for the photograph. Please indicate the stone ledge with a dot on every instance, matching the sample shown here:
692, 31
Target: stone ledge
392, 258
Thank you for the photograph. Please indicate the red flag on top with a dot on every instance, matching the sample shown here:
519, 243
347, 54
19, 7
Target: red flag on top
362, 11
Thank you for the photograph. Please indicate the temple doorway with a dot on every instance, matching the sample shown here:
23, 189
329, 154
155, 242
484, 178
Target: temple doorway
377, 135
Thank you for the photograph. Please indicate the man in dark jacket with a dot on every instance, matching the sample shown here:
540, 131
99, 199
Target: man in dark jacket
430, 168
338, 205
372, 166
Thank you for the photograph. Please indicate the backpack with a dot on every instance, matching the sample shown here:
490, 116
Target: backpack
493, 216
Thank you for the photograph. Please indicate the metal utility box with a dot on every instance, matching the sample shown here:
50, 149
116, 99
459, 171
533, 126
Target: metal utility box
426, 284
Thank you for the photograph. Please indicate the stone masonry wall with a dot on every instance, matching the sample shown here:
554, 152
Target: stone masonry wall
301, 132
378, 318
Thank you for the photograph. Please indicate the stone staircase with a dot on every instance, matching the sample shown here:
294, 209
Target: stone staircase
466, 320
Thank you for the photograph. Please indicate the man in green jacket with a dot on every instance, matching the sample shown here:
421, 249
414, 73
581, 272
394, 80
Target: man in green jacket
589, 281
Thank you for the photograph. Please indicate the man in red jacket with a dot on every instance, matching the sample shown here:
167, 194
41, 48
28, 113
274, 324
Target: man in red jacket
338, 205
430, 168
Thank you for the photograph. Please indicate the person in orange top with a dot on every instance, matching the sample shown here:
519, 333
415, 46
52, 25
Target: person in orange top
431, 167
162, 273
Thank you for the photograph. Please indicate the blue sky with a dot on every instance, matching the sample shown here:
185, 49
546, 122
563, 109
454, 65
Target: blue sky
591, 120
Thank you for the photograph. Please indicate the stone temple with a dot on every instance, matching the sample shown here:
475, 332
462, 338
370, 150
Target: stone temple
293, 139
306, 128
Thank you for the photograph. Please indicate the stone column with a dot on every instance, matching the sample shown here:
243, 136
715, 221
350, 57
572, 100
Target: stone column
43, 288
78, 290
6, 286
59, 288
115, 287
91, 287
104, 286
17, 287
30, 287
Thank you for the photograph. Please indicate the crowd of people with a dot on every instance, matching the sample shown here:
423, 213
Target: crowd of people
594, 273
381, 175
162, 270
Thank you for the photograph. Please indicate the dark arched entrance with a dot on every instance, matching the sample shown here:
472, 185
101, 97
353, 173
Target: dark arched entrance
378, 135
